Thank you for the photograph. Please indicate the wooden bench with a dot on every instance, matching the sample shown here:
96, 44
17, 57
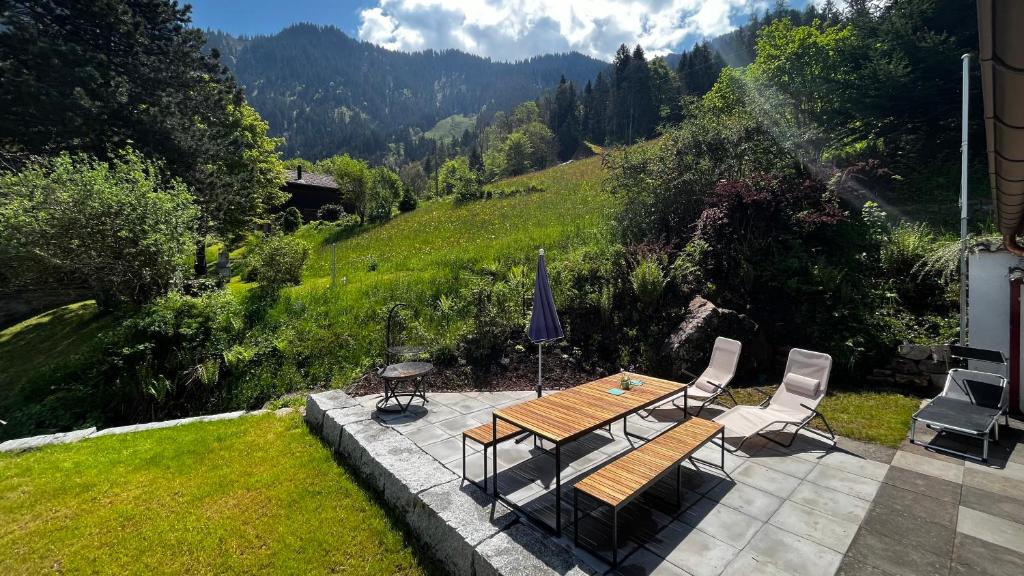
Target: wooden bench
617, 483
484, 436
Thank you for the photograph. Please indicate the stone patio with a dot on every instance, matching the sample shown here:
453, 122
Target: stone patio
806, 510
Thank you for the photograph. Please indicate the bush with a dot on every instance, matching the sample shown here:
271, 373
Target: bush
291, 220
167, 360
408, 202
118, 227
330, 213
456, 179
276, 261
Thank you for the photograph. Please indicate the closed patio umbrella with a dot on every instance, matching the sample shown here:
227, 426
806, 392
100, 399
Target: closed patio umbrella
544, 324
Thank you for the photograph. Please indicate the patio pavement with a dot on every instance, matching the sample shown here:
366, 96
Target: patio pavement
806, 510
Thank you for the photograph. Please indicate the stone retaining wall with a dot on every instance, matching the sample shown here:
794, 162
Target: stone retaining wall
460, 526
915, 367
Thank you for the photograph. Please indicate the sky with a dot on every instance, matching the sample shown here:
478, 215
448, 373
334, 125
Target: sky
499, 29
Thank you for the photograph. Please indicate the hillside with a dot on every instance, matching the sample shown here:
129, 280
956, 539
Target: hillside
327, 93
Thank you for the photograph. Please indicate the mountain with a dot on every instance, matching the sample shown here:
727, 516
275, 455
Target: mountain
327, 93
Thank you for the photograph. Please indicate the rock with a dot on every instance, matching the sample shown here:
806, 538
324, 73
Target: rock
521, 551
903, 366
23, 444
881, 381
912, 380
689, 346
930, 366
882, 373
915, 351
318, 404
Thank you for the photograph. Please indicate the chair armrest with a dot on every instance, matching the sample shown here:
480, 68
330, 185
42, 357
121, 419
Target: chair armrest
688, 374
767, 397
813, 410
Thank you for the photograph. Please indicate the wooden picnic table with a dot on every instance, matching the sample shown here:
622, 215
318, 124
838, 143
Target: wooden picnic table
570, 414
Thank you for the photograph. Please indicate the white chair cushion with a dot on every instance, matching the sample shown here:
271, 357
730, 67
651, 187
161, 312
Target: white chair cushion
802, 385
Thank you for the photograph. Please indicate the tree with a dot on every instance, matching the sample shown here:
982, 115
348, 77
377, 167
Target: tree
97, 77
665, 90
542, 145
476, 161
353, 179
698, 69
457, 180
518, 154
564, 120
385, 189
119, 227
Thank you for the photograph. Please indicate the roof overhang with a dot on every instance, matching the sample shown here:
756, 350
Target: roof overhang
1001, 54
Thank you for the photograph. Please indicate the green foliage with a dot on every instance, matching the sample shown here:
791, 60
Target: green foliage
353, 179
408, 201
276, 261
330, 213
119, 227
457, 180
648, 281
291, 219
385, 189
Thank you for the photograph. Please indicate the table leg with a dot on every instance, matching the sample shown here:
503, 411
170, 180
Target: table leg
615, 537
686, 403
558, 489
494, 452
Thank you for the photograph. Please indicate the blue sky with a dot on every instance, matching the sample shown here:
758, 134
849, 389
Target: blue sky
500, 29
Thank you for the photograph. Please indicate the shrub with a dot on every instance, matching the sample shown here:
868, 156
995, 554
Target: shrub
118, 227
408, 202
648, 281
330, 213
456, 179
291, 220
385, 188
276, 261
167, 360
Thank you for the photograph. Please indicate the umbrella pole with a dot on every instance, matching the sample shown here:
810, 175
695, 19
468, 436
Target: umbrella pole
539, 360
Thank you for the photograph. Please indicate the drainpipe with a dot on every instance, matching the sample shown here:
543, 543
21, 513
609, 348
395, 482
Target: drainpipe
966, 59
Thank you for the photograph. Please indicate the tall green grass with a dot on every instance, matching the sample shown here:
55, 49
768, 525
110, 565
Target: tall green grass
423, 255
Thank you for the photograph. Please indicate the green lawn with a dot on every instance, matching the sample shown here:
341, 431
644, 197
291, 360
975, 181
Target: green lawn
258, 494
879, 417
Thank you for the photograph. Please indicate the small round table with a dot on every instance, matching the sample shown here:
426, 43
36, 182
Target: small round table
395, 374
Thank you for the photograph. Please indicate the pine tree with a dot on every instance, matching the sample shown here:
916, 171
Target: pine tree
565, 120
599, 117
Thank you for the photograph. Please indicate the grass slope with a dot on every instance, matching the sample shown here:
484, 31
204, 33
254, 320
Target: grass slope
451, 128
36, 344
254, 495
434, 251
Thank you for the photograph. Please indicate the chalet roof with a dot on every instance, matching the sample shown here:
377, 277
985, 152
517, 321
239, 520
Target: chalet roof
309, 179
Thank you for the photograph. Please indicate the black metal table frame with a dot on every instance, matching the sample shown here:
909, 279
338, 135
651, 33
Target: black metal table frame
391, 391
636, 494
557, 528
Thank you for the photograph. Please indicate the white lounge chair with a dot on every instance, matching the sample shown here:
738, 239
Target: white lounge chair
714, 381
795, 403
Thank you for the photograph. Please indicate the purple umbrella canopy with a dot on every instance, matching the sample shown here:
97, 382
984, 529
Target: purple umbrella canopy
544, 324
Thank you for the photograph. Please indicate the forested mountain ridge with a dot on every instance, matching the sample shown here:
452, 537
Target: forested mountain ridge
327, 93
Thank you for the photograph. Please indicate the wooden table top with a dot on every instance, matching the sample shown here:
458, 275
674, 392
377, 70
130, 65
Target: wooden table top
619, 481
564, 415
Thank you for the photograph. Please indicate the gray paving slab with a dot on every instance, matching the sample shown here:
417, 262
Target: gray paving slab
746, 564
782, 462
646, 563
428, 434
991, 482
976, 556
990, 528
1005, 507
874, 549
910, 529
693, 551
929, 466
831, 502
747, 499
724, 523
854, 567
911, 503
854, 464
447, 450
793, 554
777, 483
813, 525
522, 551
468, 405
836, 479
923, 484
454, 427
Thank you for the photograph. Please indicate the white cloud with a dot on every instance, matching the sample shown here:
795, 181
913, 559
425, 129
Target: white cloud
515, 29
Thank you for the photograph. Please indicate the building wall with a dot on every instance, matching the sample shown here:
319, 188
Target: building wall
988, 304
